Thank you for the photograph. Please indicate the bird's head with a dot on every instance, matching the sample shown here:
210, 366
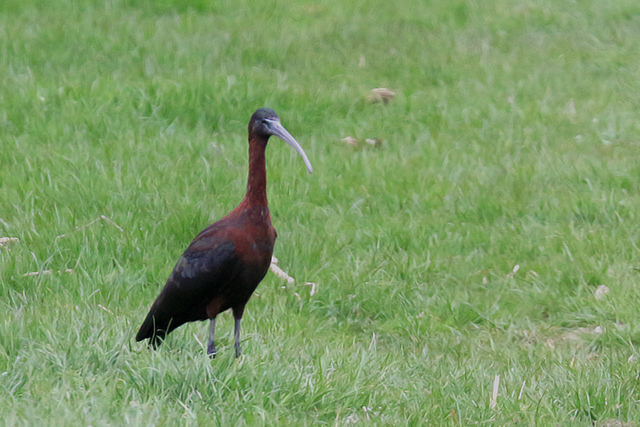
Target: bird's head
265, 122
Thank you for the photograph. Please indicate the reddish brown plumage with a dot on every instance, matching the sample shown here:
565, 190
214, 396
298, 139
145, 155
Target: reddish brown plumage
225, 263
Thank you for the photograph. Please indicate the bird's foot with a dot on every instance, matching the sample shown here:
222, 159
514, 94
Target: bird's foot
211, 351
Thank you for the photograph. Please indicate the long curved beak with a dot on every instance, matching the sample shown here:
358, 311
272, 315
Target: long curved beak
278, 130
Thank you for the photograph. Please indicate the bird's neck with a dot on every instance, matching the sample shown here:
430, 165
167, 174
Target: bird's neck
256, 194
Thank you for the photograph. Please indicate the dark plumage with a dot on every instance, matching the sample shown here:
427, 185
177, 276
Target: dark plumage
224, 264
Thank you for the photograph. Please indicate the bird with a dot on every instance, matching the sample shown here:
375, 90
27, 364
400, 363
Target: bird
224, 264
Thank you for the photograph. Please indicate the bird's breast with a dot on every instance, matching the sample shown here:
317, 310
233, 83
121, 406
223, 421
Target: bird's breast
257, 247
250, 229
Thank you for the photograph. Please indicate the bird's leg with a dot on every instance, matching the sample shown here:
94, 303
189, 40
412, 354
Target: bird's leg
237, 315
211, 347
236, 334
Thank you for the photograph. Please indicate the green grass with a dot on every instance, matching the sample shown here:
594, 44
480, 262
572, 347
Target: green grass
514, 139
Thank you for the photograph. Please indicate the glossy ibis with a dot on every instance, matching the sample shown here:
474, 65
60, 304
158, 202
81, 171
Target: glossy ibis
224, 264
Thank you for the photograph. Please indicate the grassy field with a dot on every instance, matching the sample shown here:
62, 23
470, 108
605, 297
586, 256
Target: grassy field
461, 258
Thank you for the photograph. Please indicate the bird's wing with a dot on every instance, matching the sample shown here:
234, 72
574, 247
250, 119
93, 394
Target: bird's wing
204, 260
203, 270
